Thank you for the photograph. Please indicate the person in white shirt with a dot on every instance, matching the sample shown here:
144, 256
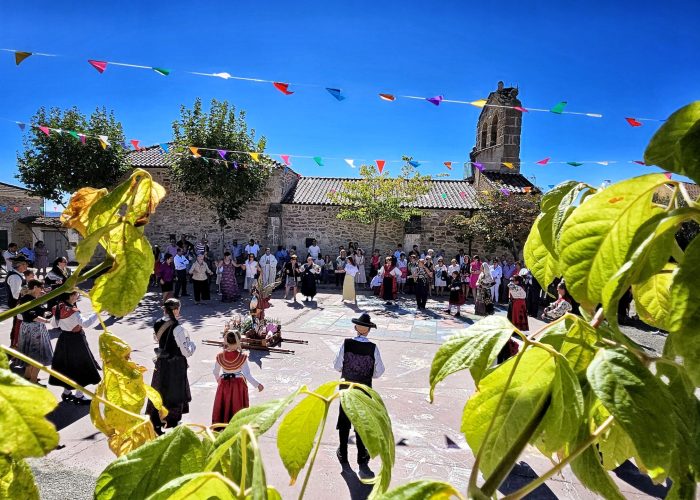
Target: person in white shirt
398, 251
9, 254
252, 268
358, 360
497, 275
314, 250
14, 281
349, 281
181, 262
268, 263
253, 248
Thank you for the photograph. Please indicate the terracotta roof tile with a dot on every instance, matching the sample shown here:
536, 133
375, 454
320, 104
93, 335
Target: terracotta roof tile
515, 183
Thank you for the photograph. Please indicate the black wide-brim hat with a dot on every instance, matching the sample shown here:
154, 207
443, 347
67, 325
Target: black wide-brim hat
18, 259
364, 320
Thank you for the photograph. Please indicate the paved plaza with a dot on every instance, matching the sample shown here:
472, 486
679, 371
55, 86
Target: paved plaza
429, 444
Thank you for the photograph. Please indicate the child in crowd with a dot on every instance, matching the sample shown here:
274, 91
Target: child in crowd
376, 284
219, 272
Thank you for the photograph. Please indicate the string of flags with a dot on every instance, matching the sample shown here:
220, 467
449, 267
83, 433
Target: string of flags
16, 209
338, 94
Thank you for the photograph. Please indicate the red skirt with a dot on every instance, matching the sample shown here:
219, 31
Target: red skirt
231, 397
518, 314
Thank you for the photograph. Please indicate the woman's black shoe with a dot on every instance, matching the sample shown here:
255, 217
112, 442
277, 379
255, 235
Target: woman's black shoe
82, 401
68, 397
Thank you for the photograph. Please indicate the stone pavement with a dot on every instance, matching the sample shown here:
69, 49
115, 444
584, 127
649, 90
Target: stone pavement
429, 443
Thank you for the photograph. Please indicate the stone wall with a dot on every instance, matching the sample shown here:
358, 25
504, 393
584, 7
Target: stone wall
16, 203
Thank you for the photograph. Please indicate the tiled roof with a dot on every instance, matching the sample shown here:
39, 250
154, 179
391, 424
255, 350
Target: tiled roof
153, 157
315, 190
693, 189
41, 220
515, 183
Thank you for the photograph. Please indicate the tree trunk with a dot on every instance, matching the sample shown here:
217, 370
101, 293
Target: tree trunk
374, 235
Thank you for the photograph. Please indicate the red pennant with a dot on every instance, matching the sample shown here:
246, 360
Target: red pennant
380, 165
100, 66
543, 161
283, 87
45, 129
633, 122
448, 164
135, 143
387, 97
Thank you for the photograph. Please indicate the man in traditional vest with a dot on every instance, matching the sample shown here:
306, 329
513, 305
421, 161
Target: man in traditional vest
13, 284
358, 360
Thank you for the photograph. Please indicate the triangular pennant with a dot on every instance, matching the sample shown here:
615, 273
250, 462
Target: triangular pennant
480, 103
444, 195
479, 166
164, 146
434, 100
527, 189
387, 97
508, 165
668, 175
551, 186
104, 141
3, 209
337, 93
414, 163
462, 194
100, 66
223, 75
135, 143
574, 163
255, 156
74, 134
521, 109
543, 161
123, 145
162, 71
633, 122
448, 164
318, 160
16, 209
484, 192
21, 125
505, 192
350, 162
83, 138
380, 165
605, 163
222, 153
45, 129
235, 165
285, 159
195, 151
639, 162
558, 108
21, 56
283, 87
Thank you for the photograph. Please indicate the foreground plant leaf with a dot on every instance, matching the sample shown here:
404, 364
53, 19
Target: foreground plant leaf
23, 409
543, 265
653, 298
76, 214
529, 390
575, 339
423, 489
16, 479
144, 470
475, 348
197, 485
589, 470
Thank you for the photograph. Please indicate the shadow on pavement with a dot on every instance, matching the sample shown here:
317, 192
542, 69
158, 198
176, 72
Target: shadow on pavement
630, 474
521, 475
358, 490
67, 413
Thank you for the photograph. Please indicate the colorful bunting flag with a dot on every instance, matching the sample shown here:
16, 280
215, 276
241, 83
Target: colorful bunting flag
283, 87
222, 153
255, 156
559, 107
318, 160
480, 103
162, 71
83, 138
633, 122
527, 189
235, 165
195, 151
380, 165
484, 192
543, 161
434, 100
135, 143
74, 134
21, 125
3, 209
414, 163
21, 56
448, 164
639, 162
444, 196
668, 175
16, 209
387, 97
104, 141
336, 93
285, 159
479, 166
100, 66
164, 146
462, 194
522, 110
505, 192
508, 165
604, 163
551, 186
350, 162
574, 163
45, 129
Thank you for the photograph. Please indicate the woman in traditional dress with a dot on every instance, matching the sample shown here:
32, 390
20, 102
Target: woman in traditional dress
309, 271
474, 272
229, 286
349, 282
42, 258
170, 372
34, 339
361, 276
390, 275
517, 309
375, 264
165, 274
430, 266
402, 265
200, 279
252, 268
559, 307
292, 273
73, 357
440, 276
456, 295
483, 302
232, 375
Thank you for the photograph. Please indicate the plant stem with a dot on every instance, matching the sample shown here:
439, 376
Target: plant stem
318, 445
582, 447
244, 458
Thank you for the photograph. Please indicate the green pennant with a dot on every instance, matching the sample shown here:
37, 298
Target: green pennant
318, 160
558, 108
574, 163
162, 71
73, 133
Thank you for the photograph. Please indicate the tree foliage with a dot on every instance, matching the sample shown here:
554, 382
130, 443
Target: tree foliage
54, 165
501, 222
226, 187
379, 197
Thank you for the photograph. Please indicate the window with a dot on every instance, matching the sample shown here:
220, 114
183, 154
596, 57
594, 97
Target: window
494, 130
484, 137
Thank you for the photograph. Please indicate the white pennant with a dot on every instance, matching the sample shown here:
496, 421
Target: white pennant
350, 162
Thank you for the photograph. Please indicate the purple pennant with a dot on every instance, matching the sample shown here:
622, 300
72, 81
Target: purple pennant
235, 165
435, 100
21, 125
504, 191
479, 166
222, 153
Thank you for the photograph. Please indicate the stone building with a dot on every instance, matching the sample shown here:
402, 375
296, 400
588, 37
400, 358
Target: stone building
293, 209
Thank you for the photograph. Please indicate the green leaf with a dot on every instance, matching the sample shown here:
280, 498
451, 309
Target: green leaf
589, 470
16, 479
298, 429
615, 446
371, 421
567, 205
685, 312
557, 204
529, 390
475, 348
86, 247
197, 485
575, 340
146, 469
4, 362
538, 258
669, 149
596, 238
653, 298
565, 415
639, 403
23, 407
423, 489
690, 149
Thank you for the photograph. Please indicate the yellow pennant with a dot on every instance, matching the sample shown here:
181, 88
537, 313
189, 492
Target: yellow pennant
509, 165
255, 156
484, 192
195, 151
479, 103
104, 141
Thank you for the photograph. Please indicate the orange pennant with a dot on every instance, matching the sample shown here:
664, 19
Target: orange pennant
195, 151
387, 97
21, 56
448, 164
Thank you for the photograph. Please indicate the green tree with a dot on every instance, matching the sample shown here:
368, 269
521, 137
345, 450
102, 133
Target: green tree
500, 222
377, 197
227, 187
60, 163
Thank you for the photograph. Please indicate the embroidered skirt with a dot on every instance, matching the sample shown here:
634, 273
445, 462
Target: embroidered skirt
35, 342
231, 397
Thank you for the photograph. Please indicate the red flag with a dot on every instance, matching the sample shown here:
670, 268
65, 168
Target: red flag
543, 161
387, 97
135, 143
100, 66
282, 87
633, 122
380, 165
45, 129
448, 164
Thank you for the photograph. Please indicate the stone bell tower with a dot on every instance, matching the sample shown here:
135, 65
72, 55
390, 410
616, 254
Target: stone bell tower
498, 133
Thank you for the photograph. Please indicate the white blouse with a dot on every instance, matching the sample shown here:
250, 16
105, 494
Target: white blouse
351, 270
75, 319
244, 371
251, 269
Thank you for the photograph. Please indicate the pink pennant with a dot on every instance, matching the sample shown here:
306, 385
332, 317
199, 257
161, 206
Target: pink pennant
522, 110
639, 162
633, 122
543, 161
222, 153
668, 175
285, 159
135, 143
380, 165
283, 87
100, 66
82, 138
462, 194
45, 129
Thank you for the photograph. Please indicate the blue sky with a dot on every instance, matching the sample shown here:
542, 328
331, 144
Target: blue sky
616, 58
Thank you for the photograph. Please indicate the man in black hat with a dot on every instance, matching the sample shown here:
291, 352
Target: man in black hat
13, 284
358, 360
